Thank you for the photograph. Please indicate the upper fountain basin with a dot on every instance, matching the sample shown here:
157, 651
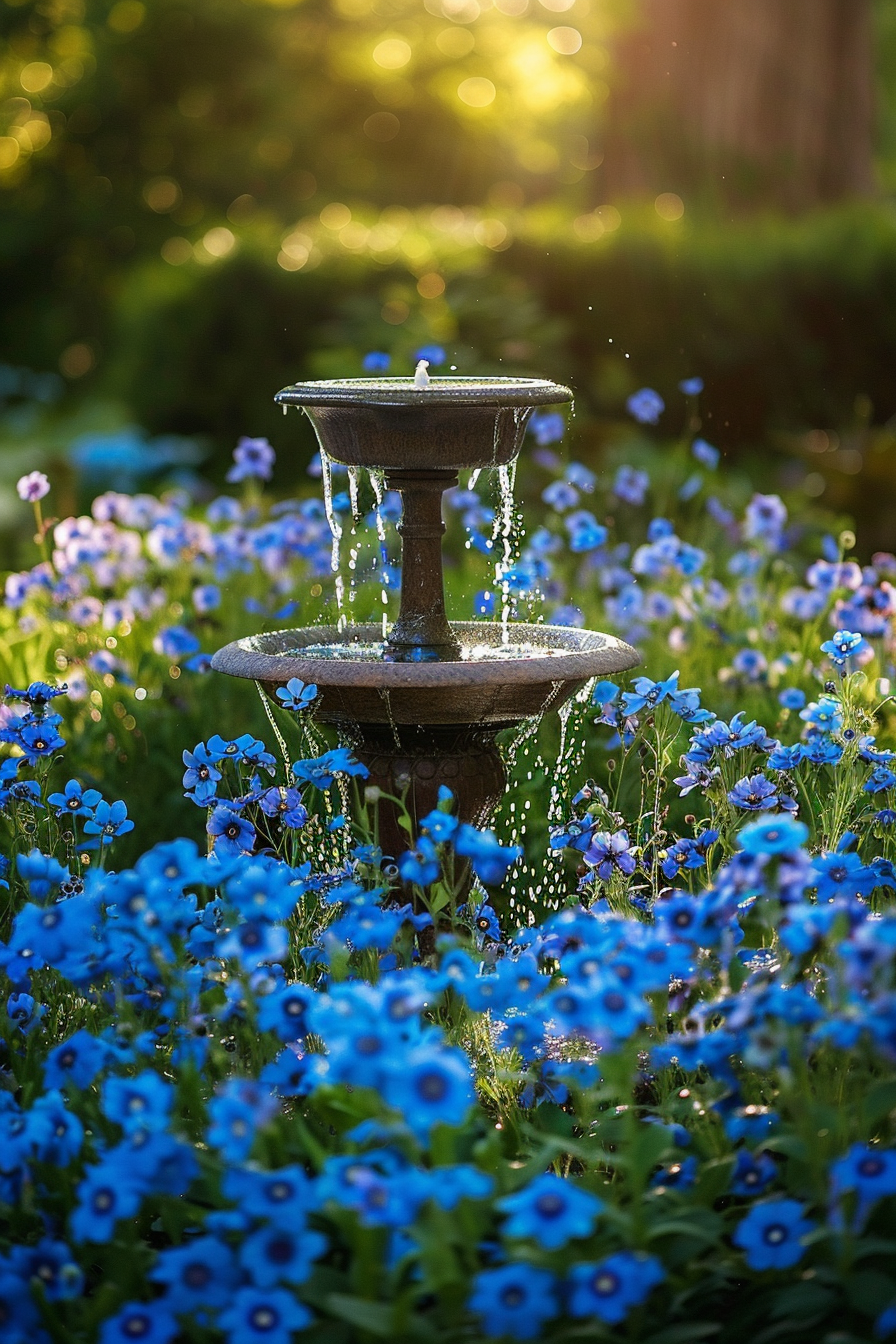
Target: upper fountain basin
452, 424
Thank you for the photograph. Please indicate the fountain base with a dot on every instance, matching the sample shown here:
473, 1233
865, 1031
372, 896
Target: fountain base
413, 764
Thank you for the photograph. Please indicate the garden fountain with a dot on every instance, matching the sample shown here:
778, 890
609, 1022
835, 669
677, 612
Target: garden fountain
423, 707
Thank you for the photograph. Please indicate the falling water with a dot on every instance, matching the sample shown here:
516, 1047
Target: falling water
336, 530
378, 485
503, 533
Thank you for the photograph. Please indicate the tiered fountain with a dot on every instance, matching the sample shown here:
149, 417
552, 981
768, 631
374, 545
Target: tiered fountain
424, 706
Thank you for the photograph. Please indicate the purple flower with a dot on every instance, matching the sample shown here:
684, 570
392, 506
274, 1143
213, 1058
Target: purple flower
755, 794
252, 459
631, 484
32, 487
765, 519
610, 853
646, 406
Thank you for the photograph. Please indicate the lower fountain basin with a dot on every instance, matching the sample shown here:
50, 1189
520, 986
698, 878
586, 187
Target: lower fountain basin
501, 677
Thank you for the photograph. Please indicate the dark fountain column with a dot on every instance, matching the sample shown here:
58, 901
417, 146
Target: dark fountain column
415, 760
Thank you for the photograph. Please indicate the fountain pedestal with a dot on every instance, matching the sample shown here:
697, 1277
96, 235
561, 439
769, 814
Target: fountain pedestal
422, 629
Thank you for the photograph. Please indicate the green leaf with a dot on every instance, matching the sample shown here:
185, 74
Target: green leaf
684, 1334
805, 1301
377, 1318
869, 1291
737, 973
880, 1101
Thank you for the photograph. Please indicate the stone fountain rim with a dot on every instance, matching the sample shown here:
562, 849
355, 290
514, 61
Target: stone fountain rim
577, 662
497, 393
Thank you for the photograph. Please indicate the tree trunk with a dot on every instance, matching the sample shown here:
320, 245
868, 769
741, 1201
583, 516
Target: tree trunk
765, 102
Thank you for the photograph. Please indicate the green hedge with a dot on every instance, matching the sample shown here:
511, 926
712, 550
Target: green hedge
788, 321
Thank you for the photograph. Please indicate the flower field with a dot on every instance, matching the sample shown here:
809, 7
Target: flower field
262, 1082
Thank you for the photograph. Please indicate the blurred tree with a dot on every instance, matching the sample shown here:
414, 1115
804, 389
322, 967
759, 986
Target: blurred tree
759, 102
174, 127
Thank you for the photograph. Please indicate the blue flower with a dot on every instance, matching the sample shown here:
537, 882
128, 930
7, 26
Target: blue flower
231, 833
604, 693
551, 1210
787, 758
430, 1089
842, 875
792, 698
772, 1234
280, 1254
139, 1103
36, 740
296, 694
560, 495
880, 779
752, 1173
434, 354
76, 1061
38, 694
485, 921
750, 663
109, 820
585, 532
773, 835
174, 641
108, 1193
376, 361
646, 406
420, 864
547, 427
145, 1322
677, 1176
871, 1172
74, 800
263, 1316
201, 775
610, 1288
201, 1273
323, 769
53, 1265
691, 387
844, 645
647, 694
42, 872
283, 1196
238, 1108
705, 454
489, 858
515, 1300
253, 459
